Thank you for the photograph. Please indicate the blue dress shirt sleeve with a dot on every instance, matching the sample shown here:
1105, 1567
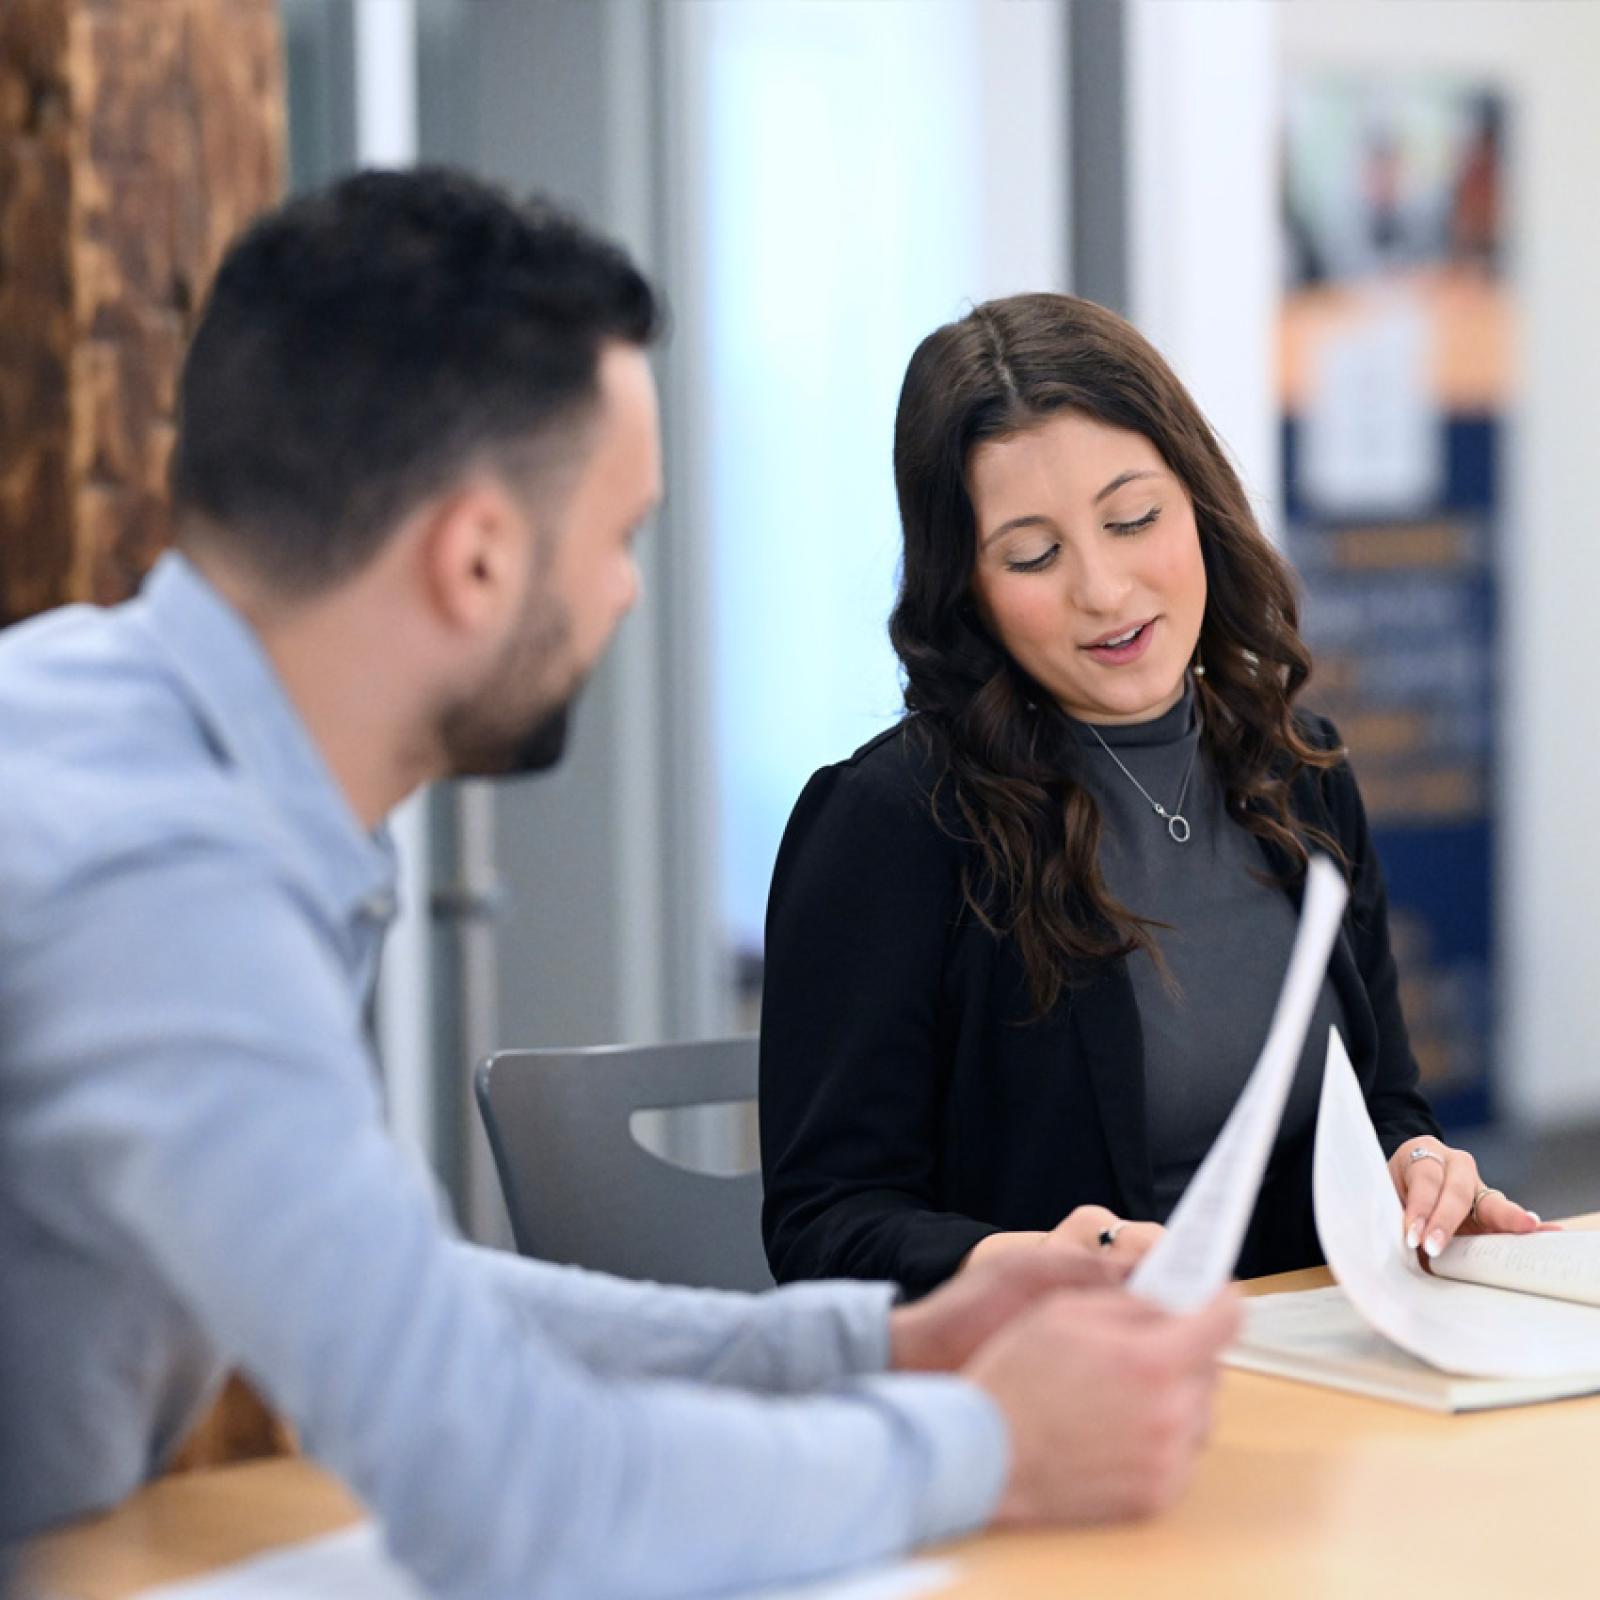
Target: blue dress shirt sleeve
209, 1090
787, 1341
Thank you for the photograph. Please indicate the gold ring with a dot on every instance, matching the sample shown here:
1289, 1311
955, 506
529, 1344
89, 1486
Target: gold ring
1482, 1191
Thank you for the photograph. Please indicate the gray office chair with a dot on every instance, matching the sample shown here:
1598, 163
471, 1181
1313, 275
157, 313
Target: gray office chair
581, 1189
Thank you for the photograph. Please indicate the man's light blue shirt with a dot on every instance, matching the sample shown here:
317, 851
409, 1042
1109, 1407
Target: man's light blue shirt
195, 1175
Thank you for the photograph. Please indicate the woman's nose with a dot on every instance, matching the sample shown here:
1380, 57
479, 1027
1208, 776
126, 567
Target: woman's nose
1100, 586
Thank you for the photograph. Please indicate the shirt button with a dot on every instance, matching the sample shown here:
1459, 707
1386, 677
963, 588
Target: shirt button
379, 906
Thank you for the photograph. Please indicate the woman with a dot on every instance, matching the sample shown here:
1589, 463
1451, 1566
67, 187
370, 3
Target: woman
1023, 948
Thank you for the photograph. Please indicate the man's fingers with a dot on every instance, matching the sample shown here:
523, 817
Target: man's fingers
1195, 1341
1210, 1330
1063, 1265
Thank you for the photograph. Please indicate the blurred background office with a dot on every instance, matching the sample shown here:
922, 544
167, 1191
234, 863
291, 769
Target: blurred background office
1363, 233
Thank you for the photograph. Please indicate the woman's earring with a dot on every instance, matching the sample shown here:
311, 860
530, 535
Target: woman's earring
1199, 667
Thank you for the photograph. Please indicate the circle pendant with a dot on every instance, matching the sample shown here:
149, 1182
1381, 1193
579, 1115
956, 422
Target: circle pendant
1178, 827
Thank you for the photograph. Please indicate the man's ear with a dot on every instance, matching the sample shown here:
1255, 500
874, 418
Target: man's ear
473, 549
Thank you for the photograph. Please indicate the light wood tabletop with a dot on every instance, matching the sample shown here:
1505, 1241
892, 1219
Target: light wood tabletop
1304, 1491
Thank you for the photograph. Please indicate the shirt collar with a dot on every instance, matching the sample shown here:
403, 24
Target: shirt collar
1173, 726
249, 716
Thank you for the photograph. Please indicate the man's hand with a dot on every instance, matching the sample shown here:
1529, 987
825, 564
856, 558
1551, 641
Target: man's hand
943, 1331
1108, 1401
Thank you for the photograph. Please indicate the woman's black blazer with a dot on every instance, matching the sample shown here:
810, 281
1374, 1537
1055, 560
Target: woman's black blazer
909, 1107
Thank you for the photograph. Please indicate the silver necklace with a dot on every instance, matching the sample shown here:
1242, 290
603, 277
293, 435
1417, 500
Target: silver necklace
1177, 823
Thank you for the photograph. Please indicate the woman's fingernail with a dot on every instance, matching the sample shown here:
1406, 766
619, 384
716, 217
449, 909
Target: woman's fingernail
1413, 1234
1536, 1217
1435, 1242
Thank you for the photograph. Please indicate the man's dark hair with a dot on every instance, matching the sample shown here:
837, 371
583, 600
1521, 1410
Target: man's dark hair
364, 344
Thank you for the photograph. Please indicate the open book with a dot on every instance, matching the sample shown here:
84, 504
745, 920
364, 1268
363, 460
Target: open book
1498, 1321
1319, 1336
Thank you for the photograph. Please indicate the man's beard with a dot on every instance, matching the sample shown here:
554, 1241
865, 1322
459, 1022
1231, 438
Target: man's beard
544, 744
481, 740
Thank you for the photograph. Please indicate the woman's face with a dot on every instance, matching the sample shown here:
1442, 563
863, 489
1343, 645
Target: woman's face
1088, 566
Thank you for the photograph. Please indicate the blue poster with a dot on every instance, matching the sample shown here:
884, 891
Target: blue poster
1396, 333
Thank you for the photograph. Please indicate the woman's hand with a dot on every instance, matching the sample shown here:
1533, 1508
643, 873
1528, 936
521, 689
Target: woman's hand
1078, 1234
1443, 1196
1084, 1227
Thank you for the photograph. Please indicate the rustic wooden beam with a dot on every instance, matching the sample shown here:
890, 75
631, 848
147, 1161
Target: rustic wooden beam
135, 141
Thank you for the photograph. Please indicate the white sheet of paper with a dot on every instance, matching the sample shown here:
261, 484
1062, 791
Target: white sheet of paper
897, 1580
351, 1563
1458, 1327
354, 1565
1195, 1257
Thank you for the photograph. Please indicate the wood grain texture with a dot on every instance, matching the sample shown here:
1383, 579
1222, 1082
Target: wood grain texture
135, 141
35, 306
240, 1426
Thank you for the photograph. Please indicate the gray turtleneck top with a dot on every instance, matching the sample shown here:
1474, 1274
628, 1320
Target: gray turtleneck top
1226, 943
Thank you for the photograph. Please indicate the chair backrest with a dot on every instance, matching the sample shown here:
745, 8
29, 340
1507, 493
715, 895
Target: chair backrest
581, 1189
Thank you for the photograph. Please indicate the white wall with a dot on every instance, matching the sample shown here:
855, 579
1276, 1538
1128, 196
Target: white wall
386, 136
1546, 55
1202, 126
847, 177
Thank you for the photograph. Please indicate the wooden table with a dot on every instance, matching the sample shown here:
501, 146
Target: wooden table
1304, 1492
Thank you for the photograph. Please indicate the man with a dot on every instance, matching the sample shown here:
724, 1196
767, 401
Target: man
418, 436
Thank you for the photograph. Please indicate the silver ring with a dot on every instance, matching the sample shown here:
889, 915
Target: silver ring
1419, 1154
1108, 1236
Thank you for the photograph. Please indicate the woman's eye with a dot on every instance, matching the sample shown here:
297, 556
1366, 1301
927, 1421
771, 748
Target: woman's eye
1034, 563
1136, 526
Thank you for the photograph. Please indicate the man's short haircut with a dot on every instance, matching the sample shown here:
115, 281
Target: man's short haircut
362, 346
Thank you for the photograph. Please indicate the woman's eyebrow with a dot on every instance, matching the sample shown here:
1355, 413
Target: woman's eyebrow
1122, 478
1036, 520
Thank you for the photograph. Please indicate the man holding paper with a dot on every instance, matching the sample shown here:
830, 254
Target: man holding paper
418, 439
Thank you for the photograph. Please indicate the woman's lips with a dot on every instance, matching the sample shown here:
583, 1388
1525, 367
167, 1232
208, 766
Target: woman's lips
1130, 649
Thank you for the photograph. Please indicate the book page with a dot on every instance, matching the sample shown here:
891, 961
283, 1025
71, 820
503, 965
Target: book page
1195, 1257
1322, 1328
1458, 1327
1564, 1266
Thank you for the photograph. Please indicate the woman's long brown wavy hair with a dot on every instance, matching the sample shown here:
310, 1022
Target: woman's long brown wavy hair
1002, 746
